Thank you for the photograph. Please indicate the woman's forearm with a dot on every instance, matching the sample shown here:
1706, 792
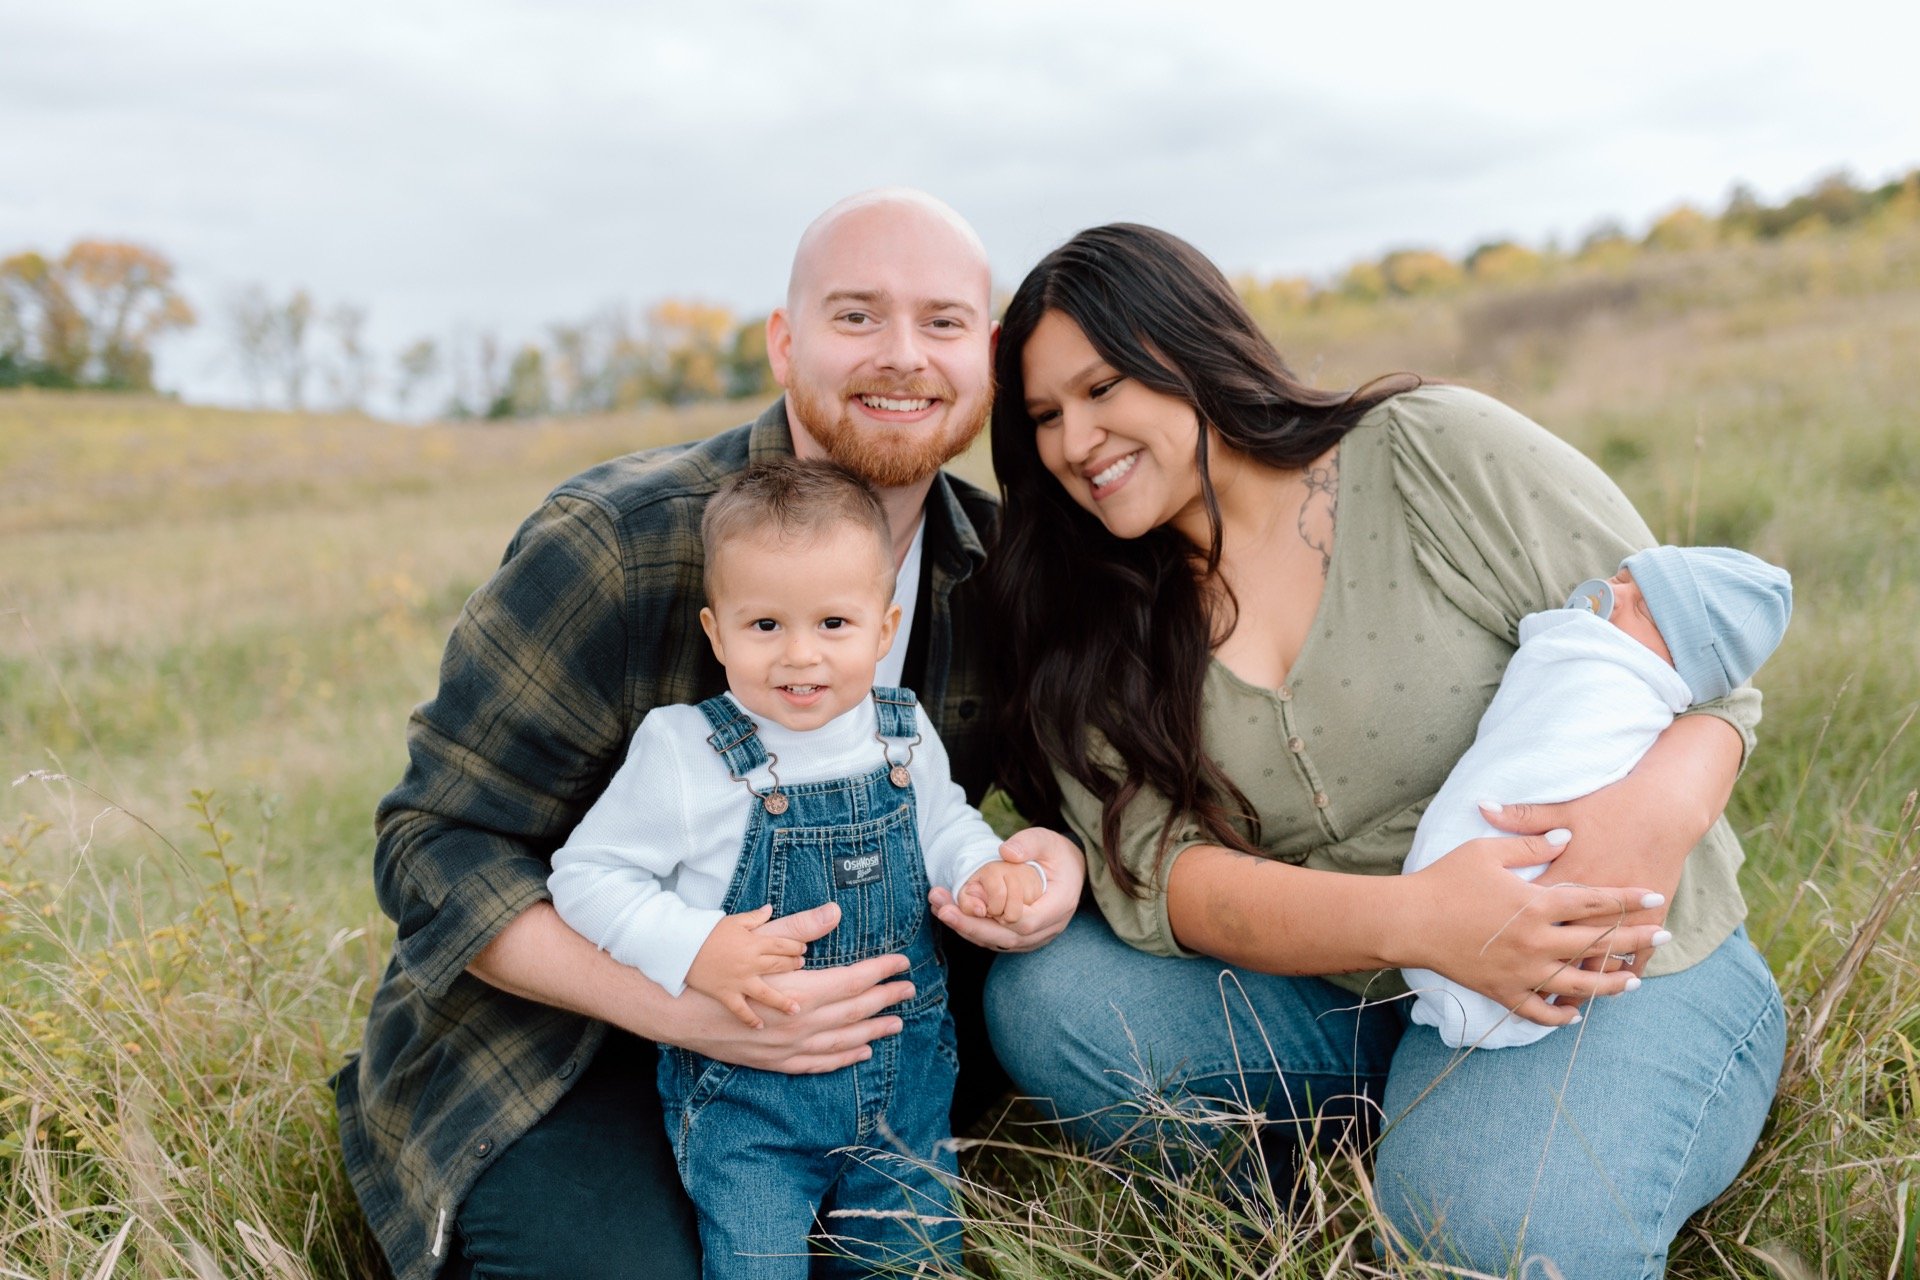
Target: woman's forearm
1699, 756
1278, 918
1465, 916
1641, 829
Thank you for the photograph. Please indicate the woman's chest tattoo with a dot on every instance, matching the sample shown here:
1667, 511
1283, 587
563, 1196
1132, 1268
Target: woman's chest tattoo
1318, 508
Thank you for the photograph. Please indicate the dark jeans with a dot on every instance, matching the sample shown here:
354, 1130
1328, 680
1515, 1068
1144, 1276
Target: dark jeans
588, 1192
592, 1191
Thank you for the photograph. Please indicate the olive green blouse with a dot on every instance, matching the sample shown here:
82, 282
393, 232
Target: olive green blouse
1457, 517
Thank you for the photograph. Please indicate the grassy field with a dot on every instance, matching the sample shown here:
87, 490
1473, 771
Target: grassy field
213, 624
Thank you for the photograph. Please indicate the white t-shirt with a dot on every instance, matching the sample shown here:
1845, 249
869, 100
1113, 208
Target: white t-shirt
906, 594
645, 873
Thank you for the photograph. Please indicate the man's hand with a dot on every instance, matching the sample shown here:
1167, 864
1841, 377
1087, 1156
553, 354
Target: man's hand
842, 1009
734, 962
1001, 891
1045, 916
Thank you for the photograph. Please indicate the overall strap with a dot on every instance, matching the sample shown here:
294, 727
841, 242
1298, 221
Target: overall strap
735, 737
895, 709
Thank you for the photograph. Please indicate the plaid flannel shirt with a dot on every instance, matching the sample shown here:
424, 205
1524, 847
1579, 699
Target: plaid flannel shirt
591, 621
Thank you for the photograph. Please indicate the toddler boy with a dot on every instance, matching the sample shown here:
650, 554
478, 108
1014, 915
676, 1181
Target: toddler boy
1583, 698
804, 784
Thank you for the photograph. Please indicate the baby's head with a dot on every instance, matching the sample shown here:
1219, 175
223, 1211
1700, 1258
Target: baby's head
799, 578
1711, 613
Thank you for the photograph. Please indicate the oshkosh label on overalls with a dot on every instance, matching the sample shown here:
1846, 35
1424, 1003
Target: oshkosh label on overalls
850, 870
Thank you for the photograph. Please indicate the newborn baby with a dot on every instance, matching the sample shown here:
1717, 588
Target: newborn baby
1583, 698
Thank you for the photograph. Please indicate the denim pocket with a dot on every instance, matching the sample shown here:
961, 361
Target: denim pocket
686, 1087
948, 1047
873, 869
687, 1082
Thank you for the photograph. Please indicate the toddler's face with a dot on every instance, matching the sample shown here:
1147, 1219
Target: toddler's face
1631, 615
799, 626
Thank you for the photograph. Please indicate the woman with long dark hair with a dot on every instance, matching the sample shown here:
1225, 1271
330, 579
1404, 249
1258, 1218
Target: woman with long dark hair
1249, 627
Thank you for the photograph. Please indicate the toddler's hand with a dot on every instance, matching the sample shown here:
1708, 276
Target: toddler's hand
733, 962
1001, 891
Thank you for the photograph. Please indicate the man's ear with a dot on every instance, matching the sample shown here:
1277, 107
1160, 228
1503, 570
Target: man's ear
993, 341
779, 344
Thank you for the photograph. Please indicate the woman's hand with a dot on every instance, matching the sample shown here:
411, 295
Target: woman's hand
1640, 829
1469, 918
1045, 916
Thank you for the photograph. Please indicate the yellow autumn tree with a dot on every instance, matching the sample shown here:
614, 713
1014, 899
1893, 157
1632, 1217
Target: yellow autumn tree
1683, 227
1408, 272
1273, 302
1364, 282
91, 316
691, 343
1504, 262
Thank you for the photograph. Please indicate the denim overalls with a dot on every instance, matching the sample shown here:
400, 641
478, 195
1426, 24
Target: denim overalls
761, 1152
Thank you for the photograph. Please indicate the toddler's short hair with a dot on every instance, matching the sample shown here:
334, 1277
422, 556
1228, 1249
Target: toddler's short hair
795, 499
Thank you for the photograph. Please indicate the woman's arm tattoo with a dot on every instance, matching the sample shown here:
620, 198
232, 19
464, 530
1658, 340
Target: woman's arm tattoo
1318, 508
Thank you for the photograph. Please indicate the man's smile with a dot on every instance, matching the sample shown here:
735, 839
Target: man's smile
895, 406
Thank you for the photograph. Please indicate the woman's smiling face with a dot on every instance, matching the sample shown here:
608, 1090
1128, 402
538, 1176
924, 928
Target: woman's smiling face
1121, 449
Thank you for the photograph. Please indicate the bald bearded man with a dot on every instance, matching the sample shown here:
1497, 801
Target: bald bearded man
502, 1118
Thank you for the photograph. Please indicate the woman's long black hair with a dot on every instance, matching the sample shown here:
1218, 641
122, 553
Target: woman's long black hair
1110, 634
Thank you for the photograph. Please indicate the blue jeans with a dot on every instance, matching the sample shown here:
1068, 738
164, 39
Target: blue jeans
1590, 1147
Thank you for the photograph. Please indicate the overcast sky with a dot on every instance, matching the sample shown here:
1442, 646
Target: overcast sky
491, 164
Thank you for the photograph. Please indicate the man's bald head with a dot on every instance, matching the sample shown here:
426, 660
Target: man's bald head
904, 207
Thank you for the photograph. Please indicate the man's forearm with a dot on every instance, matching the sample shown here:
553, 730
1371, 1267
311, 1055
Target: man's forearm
538, 957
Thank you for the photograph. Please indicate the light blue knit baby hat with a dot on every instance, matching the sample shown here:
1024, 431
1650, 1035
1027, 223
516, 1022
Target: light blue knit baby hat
1722, 612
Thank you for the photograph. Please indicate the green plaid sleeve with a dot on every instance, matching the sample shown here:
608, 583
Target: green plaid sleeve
512, 748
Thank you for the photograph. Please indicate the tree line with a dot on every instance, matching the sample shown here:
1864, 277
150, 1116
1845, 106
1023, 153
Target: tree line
1830, 203
90, 318
676, 352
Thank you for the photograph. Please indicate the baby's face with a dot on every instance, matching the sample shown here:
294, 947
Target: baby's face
1631, 615
800, 626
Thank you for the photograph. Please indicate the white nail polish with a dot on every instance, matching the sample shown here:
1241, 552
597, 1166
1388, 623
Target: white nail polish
1574, 1019
1633, 984
1492, 806
1662, 938
1558, 837
1652, 899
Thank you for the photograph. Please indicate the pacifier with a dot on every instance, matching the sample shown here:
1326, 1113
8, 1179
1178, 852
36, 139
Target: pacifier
1595, 595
